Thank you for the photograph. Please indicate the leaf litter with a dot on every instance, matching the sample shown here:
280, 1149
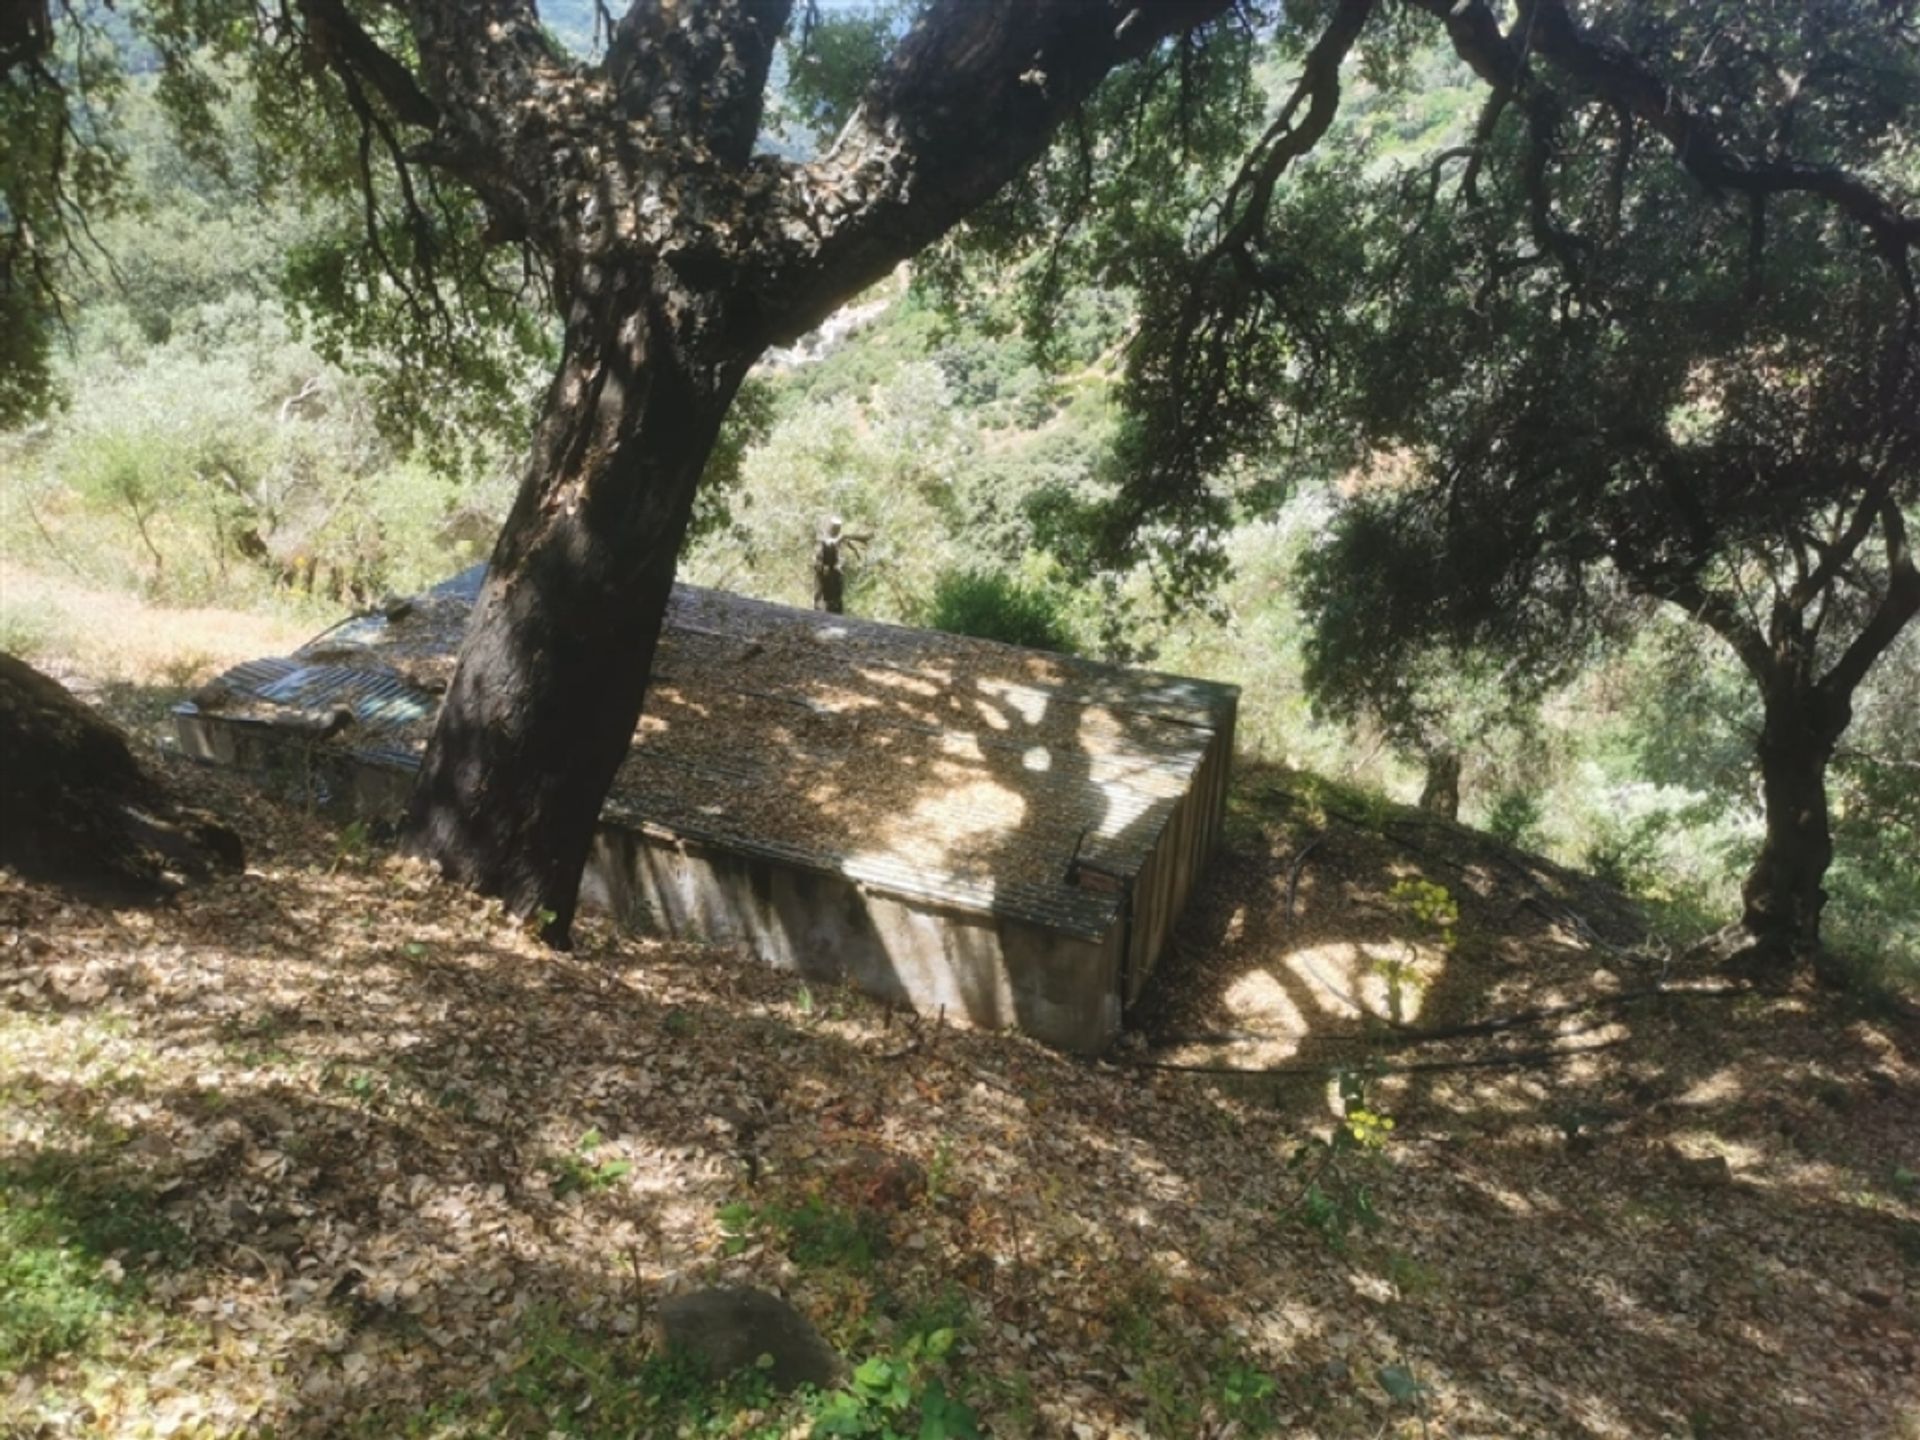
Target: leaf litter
389, 1136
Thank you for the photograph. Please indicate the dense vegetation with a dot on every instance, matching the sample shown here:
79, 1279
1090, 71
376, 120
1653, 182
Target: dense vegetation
205, 450
1536, 444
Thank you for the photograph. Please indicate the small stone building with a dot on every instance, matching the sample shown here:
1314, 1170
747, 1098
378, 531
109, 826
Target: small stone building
1003, 835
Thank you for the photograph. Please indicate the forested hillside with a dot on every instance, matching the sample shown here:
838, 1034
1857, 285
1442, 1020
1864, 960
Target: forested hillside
216, 445
1518, 401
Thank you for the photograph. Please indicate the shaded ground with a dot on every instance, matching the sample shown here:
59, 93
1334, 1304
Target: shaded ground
330, 1149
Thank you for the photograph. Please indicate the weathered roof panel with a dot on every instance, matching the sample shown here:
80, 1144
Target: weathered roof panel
959, 770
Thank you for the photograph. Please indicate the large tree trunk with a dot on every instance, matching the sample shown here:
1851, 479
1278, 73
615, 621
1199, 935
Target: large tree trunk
1441, 793
1783, 895
554, 667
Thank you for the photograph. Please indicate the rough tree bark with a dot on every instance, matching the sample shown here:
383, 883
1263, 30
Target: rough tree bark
554, 669
1440, 795
1805, 712
679, 256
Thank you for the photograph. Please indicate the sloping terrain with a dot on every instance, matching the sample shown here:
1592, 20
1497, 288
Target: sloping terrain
331, 1149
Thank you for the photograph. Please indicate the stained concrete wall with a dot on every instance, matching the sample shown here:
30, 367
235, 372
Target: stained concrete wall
977, 968
991, 971
1179, 855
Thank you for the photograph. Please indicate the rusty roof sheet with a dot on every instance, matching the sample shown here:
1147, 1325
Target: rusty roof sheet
939, 766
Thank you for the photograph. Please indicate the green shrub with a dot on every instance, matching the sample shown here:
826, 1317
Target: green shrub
813, 1233
994, 606
1514, 818
32, 628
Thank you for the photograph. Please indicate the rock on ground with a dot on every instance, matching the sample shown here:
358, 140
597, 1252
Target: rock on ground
731, 1327
78, 810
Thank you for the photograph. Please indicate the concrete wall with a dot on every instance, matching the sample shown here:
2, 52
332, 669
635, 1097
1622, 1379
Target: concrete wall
1179, 855
978, 969
984, 970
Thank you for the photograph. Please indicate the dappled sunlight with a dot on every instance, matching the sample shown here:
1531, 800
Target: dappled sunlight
398, 1134
939, 819
1715, 1089
399, 1139
1257, 999
1382, 982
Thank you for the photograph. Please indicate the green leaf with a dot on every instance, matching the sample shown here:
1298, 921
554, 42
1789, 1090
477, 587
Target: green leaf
1398, 1382
944, 1418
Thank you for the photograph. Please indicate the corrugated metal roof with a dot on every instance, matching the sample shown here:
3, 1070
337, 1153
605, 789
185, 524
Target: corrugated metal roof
938, 766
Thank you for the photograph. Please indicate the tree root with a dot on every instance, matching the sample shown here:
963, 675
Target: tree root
1513, 1060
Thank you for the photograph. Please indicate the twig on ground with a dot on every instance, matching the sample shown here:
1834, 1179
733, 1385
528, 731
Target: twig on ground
1299, 864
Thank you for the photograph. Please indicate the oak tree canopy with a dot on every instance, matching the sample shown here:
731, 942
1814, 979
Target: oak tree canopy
631, 194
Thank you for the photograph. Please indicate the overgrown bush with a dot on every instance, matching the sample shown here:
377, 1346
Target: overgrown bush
1514, 817
991, 605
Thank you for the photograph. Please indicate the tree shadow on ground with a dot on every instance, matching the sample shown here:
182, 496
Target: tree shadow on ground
429, 1169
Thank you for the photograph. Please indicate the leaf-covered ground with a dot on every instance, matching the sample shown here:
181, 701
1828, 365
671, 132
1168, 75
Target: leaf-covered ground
332, 1149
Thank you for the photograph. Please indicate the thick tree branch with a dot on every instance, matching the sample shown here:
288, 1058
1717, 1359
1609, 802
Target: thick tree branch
1483, 132
1837, 553
502, 93
1619, 78
1543, 140
688, 70
973, 93
338, 39
1898, 606
1718, 612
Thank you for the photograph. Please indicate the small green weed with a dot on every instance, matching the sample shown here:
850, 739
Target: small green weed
1404, 1389
940, 1172
1413, 1279
1333, 1195
899, 1394
584, 1385
1431, 910
813, 1232
579, 1172
1249, 1397
73, 1246
353, 845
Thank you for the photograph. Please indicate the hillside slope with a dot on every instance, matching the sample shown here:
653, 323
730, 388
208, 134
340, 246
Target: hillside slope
329, 1148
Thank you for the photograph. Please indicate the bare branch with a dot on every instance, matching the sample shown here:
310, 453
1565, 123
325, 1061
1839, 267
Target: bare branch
1251, 192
